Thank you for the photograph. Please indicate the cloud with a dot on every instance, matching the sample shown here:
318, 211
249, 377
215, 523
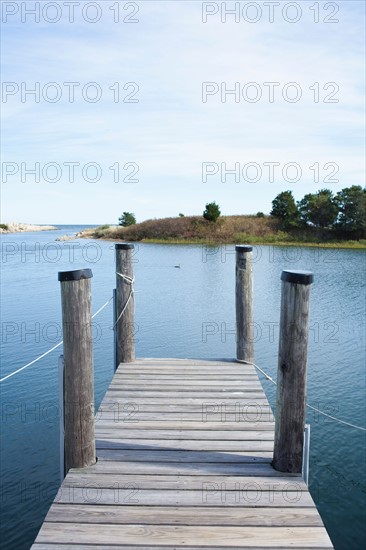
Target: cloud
168, 54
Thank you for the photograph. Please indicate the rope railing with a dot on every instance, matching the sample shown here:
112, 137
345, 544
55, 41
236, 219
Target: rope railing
131, 281
50, 350
307, 404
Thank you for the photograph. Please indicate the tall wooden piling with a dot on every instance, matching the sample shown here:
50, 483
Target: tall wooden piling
291, 373
125, 304
79, 447
244, 304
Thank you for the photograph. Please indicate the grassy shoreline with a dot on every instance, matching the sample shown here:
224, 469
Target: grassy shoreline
341, 244
356, 245
195, 230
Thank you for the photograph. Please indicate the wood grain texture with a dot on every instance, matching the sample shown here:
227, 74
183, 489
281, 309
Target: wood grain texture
211, 494
244, 305
190, 435
167, 455
179, 515
196, 483
184, 445
184, 468
125, 327
52, 546
192, 468
183, 535
78, 373
104, 422
291, 377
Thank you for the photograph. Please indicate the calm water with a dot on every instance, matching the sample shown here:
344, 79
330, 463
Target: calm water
186, 312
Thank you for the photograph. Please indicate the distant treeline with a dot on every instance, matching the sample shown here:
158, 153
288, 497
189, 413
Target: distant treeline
342, 214
318, 218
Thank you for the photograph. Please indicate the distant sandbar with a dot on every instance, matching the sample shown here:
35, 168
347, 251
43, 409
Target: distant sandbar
23, 227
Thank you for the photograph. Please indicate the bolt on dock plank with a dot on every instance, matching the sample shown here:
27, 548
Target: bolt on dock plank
184, 453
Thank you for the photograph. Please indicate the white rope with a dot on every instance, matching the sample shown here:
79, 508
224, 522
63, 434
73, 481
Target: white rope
101, 308
336, 419
307, 404
260, 370
124, 309
130, 281
32, 362
50, 350
177, 266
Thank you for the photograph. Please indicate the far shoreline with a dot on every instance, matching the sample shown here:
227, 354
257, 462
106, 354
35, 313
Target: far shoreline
13, 227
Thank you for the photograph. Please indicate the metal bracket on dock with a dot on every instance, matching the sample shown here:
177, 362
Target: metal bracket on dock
306, 454
61, 365
115, 329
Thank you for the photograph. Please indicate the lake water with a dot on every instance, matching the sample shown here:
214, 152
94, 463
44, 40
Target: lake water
186, 312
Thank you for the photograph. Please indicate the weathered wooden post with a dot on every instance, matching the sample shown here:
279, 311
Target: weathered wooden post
244, 304
291, 373
78, 368
125, 308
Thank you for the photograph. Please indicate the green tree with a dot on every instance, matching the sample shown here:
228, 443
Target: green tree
212, 212
181, 215
351, 204
284, 208
318, 208
126, 219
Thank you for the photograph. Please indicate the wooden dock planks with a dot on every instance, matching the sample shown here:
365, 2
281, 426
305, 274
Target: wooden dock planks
184, 461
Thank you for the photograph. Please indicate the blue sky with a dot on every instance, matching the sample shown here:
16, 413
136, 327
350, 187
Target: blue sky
165, 136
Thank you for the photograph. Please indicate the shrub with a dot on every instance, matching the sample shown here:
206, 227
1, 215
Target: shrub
101, 231
212, 212
284, 208
351, 204
318, 208
127, 219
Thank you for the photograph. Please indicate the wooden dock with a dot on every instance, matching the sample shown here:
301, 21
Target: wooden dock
184, 453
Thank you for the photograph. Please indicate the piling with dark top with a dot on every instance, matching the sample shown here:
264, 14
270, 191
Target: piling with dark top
125, 304
291, 373
78, 368
244, 304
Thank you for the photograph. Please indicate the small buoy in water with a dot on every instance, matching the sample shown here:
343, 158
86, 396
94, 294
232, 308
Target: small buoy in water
177, 266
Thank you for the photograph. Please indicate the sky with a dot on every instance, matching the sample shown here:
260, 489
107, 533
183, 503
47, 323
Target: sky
157, 108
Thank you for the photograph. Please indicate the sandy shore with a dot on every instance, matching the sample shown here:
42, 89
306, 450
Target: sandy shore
22, 227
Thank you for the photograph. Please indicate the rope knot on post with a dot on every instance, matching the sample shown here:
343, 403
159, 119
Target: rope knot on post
129, 280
